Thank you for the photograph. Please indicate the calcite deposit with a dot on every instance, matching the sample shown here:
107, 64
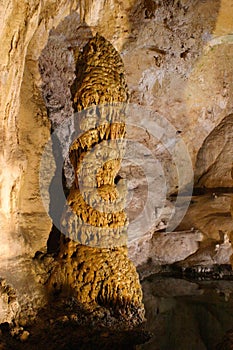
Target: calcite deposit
100, 278
93, 262
99, 76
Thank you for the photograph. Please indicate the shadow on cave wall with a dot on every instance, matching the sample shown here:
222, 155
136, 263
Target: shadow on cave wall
57, 69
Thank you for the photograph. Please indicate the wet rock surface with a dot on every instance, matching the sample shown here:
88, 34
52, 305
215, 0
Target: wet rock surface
187, 314
99, 279
81, 313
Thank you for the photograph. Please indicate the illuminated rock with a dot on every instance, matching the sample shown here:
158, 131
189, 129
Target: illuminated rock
93, 262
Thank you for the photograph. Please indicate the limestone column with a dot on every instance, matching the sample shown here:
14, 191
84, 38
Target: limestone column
93, 262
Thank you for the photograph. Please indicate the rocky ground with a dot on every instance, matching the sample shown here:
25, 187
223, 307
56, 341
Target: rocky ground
66, 325
181, 309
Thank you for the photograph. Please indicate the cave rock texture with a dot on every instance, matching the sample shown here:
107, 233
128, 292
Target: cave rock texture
177, 59
93, 263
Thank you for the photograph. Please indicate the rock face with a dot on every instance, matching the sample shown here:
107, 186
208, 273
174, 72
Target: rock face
25, 127
214, 160
157, 249
93, 262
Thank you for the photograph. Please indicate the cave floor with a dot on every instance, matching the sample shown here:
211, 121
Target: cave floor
182, 314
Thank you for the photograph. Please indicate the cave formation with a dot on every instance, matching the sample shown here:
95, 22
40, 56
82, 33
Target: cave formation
61, 58
93, 260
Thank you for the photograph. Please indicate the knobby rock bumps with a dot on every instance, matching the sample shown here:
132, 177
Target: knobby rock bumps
93, 259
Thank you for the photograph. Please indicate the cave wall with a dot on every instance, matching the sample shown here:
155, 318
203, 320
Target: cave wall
177, 57
24, 126
214, 160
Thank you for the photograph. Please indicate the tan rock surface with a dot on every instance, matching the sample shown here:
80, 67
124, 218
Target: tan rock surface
99, 277
24, 125
94, 275
178, 61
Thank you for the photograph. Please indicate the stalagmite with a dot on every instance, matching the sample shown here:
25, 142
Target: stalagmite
93, 261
